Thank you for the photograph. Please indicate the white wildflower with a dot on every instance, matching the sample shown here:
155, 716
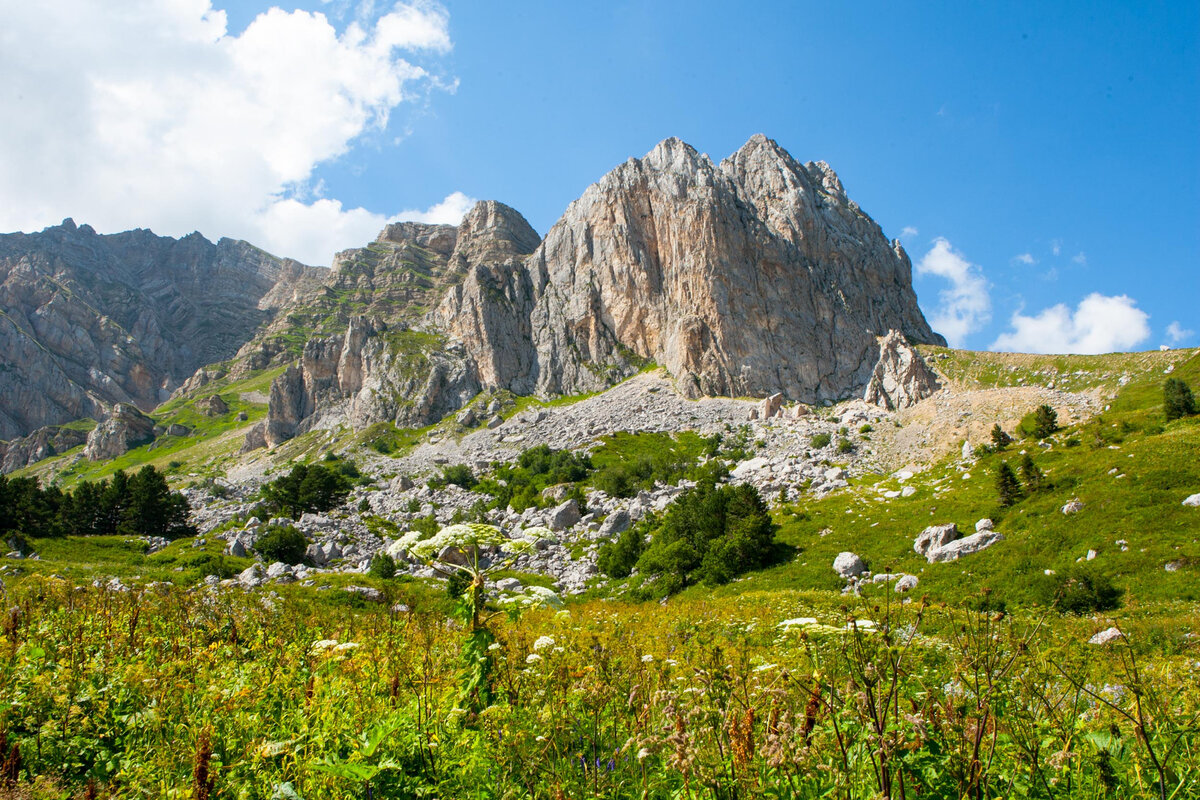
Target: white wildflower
646, 659
543, 642
798, 622
532, 658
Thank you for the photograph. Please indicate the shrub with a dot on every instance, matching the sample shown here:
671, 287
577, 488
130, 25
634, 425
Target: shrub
383, 567
845, 446
307, 488
457, 474
711, 535
282, 543
1081, 591
820, 440
618, 558
866, 428
1178, 400
1007, 485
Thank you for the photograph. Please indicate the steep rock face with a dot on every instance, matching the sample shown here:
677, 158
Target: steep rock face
371, 373
89, 320
901, 378
123, 429
750, 277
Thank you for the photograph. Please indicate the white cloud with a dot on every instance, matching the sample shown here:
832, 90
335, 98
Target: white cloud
1080, 259
148, 113
1177, 333
1099, 324
908, 232
1025, 258
1056, 246
448, 212
964, 307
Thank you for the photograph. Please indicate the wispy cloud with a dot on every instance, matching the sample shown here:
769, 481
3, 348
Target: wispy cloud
1178, 334
908, 232
965, 306
1080, 259
1099, 324
1056, 246
1024, 258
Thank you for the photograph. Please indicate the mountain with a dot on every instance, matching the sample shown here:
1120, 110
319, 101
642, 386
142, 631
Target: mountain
754, 276
88, 321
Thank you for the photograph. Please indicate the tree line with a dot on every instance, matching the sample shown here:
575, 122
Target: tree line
141, 504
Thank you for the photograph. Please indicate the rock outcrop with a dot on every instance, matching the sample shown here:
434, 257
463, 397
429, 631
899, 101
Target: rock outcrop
751, 277
123, 429
939, 543
91, 320
42, 443
901, 378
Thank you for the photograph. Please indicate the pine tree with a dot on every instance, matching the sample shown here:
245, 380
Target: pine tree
1032, 475
1000, 439
1007, 485
1178, 400
1045, 422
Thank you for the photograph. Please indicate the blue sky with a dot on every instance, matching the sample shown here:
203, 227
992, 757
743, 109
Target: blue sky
1040, 161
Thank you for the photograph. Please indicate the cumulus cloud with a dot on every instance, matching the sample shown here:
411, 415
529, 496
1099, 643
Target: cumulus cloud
1099, 324
966, 305
150, 113
1025, 258
908, 232
1080, 259
1177, 333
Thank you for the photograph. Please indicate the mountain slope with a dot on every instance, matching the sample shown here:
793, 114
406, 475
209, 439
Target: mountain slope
89, 320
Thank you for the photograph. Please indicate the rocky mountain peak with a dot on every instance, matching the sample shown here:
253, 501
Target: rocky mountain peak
438, 238
492, 231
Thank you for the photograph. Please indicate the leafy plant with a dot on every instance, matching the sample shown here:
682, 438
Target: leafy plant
282, 543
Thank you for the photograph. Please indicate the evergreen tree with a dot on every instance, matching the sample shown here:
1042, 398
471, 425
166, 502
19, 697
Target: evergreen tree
1000, 439
1007, 485
1032, 475
1178, 400
1045, 422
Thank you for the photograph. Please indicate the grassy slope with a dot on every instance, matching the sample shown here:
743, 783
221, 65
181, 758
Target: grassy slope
1157, 465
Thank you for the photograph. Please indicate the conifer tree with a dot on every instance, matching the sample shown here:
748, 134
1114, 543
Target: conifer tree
1007, 485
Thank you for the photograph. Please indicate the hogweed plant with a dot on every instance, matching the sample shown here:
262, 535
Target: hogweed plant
476, 551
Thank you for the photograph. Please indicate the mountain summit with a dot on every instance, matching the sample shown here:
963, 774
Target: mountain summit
749, 277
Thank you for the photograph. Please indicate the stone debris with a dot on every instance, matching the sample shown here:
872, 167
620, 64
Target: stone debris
1107, 636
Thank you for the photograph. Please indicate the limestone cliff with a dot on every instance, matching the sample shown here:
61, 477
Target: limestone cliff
87, 321
749, 277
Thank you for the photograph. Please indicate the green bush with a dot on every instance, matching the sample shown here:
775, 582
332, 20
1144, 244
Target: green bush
281, 543
1032, 476
307, 488
618, 558
457, 474
711, 535
1178, 400
1080, 591
383, 567
845, 446
820, 440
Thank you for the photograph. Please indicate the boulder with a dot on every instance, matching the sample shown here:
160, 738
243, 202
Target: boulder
495, 421
279, 571
615, 523
1193, 501
1107, 636
212, 406
366, 593
315, 554
564, 516
984, 524
509, 585
963, 547
251, 576
934, 537
1073, 507
906, 584
770, 406
901, 378
848, 565
237, 547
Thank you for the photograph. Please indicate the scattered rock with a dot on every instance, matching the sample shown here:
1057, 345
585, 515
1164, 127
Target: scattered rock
1073, 507
849, 565
934, 537
984, 524
252, 576
1106, 636
509, 585
1173, 566
125, 428
1193, 501
212, 406
564, 516
906, 584
366, 593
